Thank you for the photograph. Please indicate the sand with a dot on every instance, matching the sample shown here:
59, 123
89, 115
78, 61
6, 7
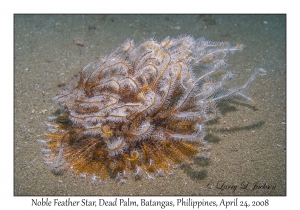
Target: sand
248, 142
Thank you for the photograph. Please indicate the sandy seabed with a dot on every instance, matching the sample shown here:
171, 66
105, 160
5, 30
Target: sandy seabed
248, 142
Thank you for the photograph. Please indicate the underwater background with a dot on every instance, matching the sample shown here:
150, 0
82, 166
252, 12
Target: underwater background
248, 141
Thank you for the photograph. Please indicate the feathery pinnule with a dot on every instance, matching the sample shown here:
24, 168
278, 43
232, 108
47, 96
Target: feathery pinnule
141, 110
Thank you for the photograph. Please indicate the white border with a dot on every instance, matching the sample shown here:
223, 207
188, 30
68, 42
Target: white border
8, 9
